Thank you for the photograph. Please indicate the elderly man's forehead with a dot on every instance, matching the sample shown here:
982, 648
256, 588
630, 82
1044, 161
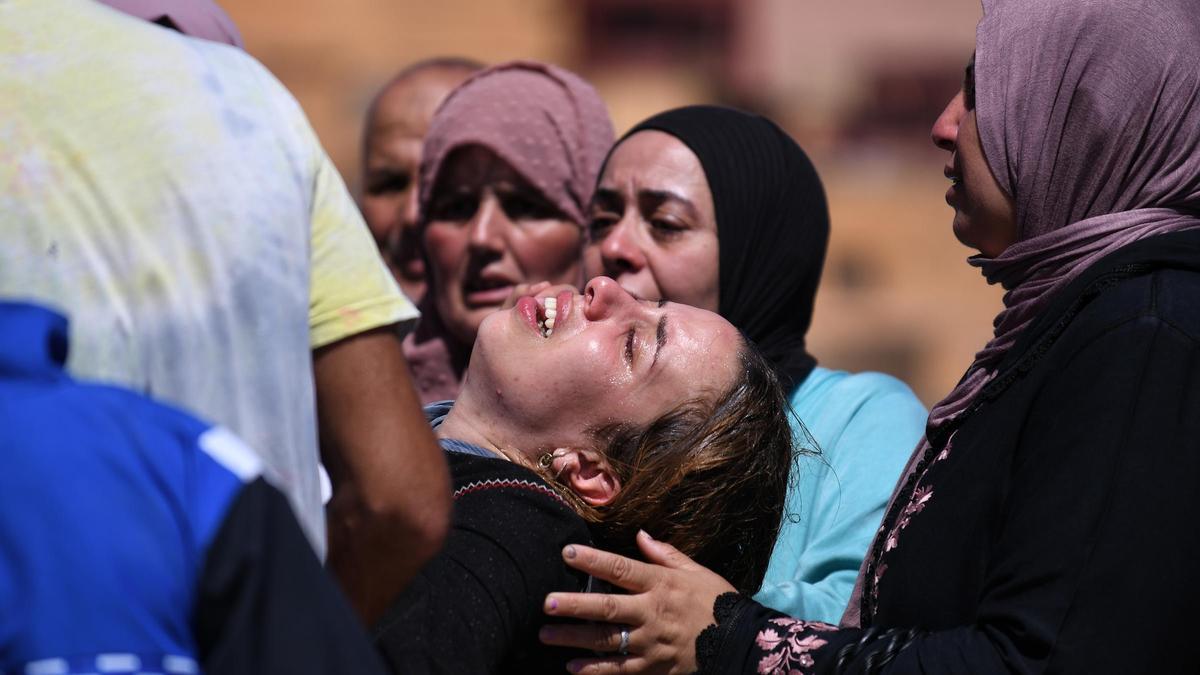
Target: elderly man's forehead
412, 98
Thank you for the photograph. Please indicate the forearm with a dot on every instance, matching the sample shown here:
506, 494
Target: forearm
376, 549
391, 498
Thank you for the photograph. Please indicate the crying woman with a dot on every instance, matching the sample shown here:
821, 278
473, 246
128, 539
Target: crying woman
584, 418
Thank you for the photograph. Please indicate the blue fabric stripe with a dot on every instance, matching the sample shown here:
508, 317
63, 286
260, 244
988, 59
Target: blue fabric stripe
464, 448
436, 414
115, 663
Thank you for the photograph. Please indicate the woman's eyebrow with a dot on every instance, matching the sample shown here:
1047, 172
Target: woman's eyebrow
607, 198
652, 197
660, 336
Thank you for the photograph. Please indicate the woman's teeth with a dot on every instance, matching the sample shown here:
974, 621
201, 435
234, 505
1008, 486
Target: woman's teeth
547, 325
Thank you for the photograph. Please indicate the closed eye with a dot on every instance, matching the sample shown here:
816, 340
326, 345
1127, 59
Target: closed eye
599, 226
629, 346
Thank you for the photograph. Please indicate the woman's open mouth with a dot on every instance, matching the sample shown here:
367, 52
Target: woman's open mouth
486, 291
547, 313
955, 181
542, 314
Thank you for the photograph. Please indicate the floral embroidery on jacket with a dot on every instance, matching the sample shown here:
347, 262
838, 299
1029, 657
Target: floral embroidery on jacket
917, 502
791, 650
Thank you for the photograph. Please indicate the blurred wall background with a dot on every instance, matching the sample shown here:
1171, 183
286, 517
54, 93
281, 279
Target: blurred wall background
857, 82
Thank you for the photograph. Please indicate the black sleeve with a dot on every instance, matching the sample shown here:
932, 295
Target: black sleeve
1092, 568
751, 638
477, 606
266, 606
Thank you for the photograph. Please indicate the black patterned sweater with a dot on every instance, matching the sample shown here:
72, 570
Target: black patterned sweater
477, 606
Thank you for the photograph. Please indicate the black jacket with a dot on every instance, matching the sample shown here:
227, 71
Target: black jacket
1056, 528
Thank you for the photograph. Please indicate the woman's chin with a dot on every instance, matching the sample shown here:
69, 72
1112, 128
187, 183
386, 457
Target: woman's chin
965, 234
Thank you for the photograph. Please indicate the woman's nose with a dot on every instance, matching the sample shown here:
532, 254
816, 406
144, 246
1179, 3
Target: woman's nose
604, 298
945, 128
409, 208
619, 251
488, 225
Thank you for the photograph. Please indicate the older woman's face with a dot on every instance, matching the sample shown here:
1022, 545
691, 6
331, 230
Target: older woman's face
652, 225
610, 358
984, 216
488, 230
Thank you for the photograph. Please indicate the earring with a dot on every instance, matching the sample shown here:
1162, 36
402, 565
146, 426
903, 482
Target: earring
547, 458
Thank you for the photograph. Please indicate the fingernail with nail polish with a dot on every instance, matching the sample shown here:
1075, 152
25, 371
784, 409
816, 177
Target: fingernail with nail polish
569, 552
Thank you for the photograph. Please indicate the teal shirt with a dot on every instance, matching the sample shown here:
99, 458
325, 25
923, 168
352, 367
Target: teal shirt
866, 426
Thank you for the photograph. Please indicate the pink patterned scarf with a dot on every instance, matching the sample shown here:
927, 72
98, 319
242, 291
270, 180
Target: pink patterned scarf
544, 121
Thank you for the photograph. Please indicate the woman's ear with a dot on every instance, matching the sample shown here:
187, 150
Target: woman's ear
587, 473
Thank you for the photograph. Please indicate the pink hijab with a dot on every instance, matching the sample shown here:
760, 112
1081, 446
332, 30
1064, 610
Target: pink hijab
546, 122
552, 128
1089, 115
197, 18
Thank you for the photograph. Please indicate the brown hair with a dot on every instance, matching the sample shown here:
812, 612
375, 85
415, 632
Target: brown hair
710, 477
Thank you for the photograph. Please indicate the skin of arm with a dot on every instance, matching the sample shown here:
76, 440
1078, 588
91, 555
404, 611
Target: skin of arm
391, 490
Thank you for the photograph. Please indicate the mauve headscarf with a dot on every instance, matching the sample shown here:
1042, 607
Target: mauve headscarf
197, 18
547, 123
772, 226
1089, 115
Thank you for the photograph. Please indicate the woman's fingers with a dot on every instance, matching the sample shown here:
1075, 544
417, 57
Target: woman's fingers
672, 602
521, 290
662, 553
540, 289
616, 569
594, 607
597, 637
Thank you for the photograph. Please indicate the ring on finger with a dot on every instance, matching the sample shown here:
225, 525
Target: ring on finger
623, 648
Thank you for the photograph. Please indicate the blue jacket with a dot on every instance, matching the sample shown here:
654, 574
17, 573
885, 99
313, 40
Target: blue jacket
866, 426
136, 538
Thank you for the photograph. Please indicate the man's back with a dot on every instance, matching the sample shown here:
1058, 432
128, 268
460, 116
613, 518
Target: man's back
135, 538
170, 196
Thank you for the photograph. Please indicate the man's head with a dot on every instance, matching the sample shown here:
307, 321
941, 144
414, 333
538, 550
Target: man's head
395, 127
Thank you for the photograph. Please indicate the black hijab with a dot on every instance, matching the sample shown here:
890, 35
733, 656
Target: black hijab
772, 226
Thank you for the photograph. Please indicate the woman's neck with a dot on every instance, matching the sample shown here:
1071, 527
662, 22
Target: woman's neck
463, 424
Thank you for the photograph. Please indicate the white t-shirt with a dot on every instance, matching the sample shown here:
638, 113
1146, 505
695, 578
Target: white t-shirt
168, 195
